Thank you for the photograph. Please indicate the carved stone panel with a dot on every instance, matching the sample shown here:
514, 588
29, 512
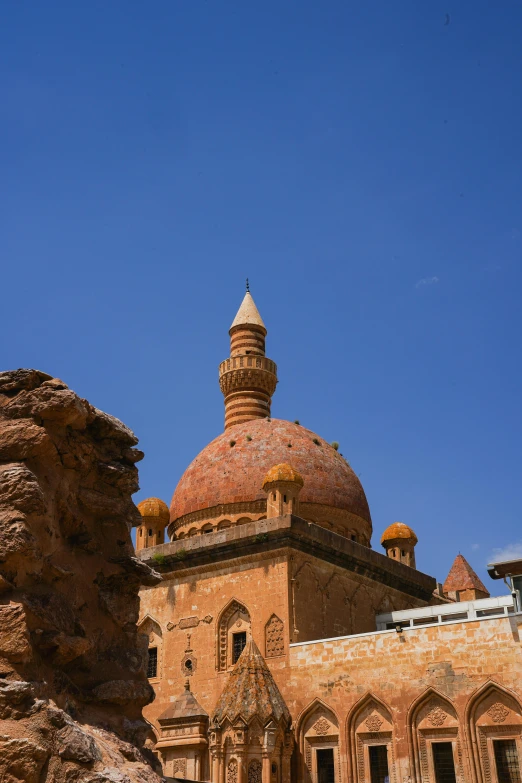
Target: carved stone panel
254, 771
179, 768
274, 637
232, 771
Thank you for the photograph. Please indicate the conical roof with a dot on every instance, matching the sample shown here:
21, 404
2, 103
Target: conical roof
251, 691
248, 314
185, 706
462, 577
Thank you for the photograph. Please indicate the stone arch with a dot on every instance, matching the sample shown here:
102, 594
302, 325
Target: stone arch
317, 728
234, 617
432, 717
224, 524
493, 713
369, 723
207, 528
274, 637
148, 626
243, 520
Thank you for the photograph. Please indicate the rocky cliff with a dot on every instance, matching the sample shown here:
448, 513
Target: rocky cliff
72, 666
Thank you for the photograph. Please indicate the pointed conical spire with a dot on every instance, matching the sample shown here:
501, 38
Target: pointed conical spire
247, 378
248, 314
251, 691
185, 706
462, 579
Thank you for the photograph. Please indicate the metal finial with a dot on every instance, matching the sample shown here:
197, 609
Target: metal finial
247, 286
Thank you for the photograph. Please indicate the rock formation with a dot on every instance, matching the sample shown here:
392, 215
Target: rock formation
72, 666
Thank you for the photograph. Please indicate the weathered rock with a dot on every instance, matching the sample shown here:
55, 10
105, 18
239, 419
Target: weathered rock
124, 692
14, 636
72, 679
21, 760
74, 744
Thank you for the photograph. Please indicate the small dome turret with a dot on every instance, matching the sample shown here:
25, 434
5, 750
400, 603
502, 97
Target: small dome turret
155, 515
282, 485
282, 472
399, 541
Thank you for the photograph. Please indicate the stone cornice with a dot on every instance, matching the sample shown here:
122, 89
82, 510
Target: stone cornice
291, 533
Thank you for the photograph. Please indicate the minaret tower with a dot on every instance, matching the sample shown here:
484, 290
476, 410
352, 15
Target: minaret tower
247, 379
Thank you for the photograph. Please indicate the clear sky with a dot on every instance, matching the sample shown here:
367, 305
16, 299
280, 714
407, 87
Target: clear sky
360, 162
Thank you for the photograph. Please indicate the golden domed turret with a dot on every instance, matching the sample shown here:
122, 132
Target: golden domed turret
156, 516
399, 540
282, 485
283, 472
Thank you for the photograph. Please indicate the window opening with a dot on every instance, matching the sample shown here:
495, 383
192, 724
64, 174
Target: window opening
284, 498
403, 552
152, 666
443, 762
506, 760
379, 764
238, 645
354, 537
273, 495
325, 765
188, 665
150, 531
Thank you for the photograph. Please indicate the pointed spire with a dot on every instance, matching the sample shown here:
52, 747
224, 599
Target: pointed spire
248, 314
185, 706
251, 691
463, 577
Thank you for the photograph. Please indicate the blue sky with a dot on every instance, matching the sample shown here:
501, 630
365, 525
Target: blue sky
359, 162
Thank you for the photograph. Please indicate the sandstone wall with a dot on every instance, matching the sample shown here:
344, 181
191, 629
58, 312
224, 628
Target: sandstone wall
72, 667
459, 683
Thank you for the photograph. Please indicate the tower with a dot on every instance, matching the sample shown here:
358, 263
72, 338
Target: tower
399, 540
282, 485
247, 378
155, 516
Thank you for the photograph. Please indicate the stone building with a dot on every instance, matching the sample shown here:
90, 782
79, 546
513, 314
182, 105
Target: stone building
282, 647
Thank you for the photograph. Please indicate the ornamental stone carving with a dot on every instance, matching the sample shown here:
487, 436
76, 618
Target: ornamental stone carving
274, 637
179, 768
254, 771
321, 726
437, 715
373, 723
498, 712
232, 771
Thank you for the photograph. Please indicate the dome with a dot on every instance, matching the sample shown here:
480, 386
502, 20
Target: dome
398, 530
229, 474
283, 472
154, 508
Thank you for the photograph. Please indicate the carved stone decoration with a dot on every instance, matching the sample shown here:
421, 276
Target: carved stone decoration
274, 637
254, 771
179, 768
321, 726
171, 626
232, 771
373, 723
189, 665
222, 630
437, 715
188, 622
498, 712
208, 619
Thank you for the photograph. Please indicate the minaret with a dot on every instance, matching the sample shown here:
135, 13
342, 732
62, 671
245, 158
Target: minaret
247, 379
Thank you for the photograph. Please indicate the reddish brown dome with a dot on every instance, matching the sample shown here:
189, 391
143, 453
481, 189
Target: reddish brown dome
233, 467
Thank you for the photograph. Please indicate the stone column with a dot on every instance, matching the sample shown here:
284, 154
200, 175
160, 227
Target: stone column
222, 768
197, 766
265, 778
241, 777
